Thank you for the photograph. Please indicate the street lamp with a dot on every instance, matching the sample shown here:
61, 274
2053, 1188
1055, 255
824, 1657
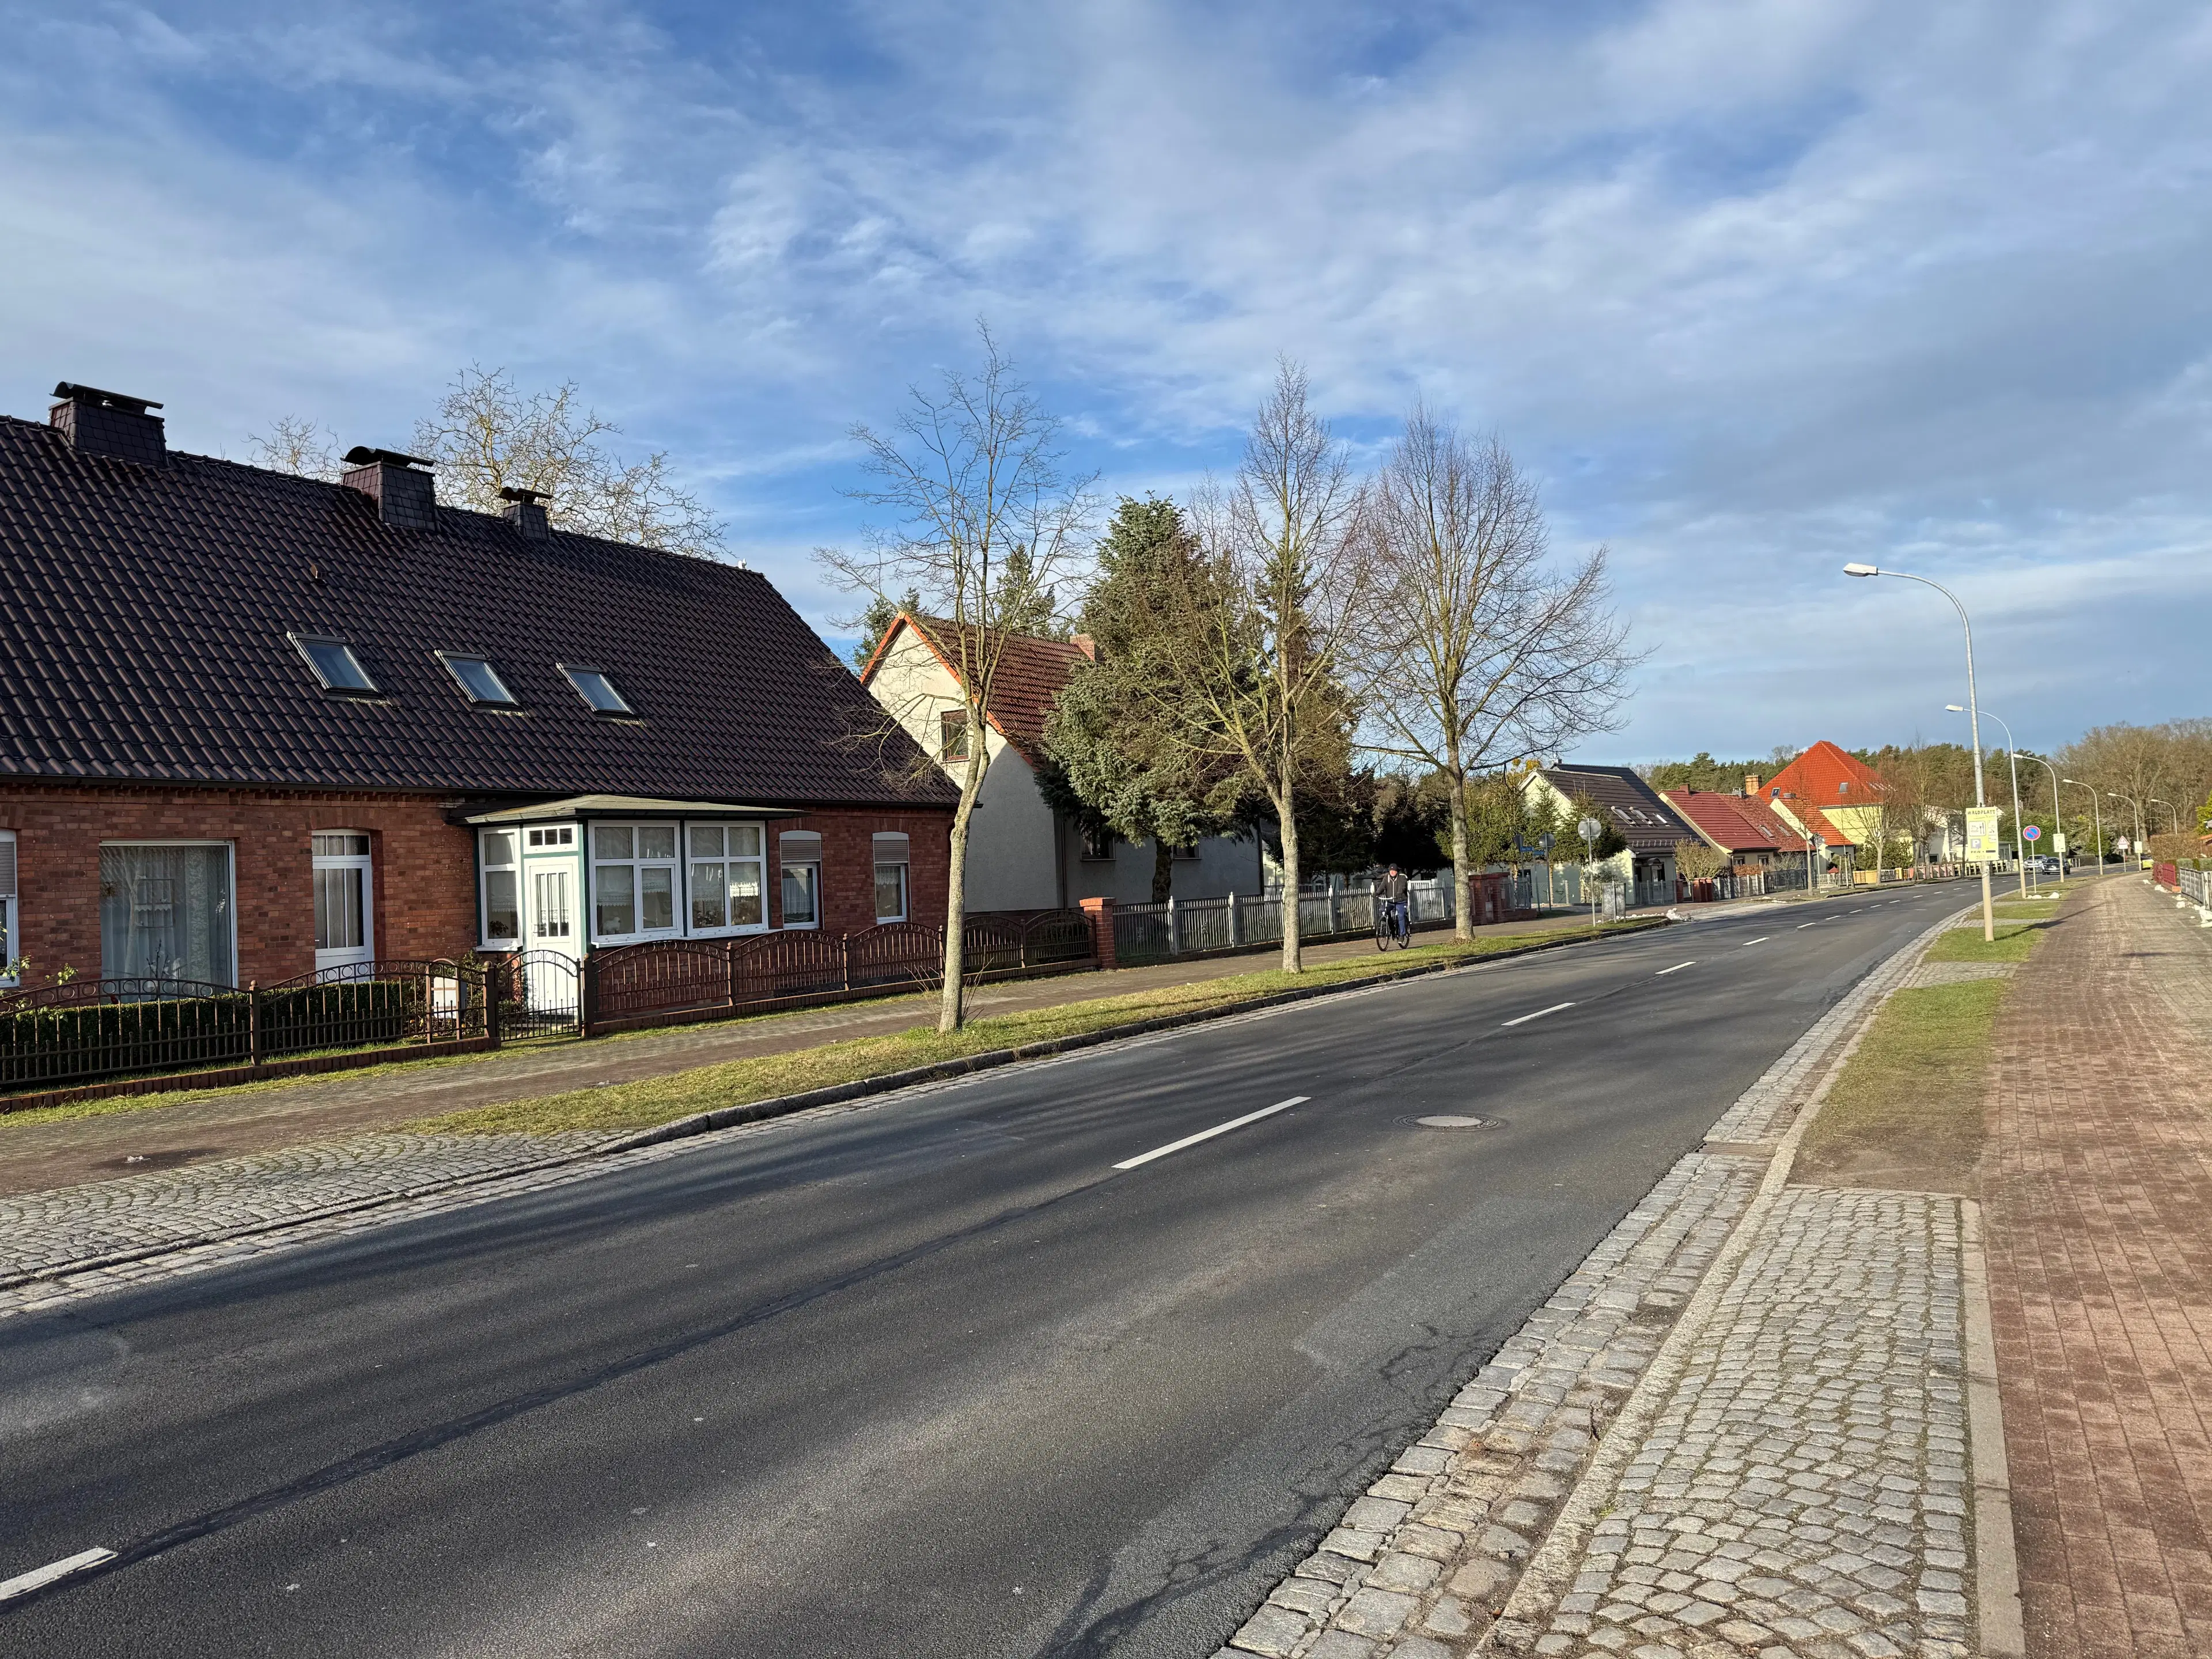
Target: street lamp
2137, 849
2170, 807
2097, 816
2019, 846
1974, 714
2055, 807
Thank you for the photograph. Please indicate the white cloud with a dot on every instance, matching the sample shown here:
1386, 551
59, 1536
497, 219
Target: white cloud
1756, 285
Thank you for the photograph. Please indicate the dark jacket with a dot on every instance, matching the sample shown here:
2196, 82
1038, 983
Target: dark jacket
1393, 887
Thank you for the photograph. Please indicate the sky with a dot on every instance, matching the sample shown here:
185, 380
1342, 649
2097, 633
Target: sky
1751, 287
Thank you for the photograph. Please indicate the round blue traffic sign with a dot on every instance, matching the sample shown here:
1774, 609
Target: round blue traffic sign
2033, 832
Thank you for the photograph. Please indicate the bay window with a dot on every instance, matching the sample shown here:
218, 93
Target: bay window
165, 911
729, 877
633, 880
501, 889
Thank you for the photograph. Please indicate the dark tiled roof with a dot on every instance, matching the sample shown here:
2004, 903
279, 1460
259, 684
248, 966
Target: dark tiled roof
1645, 821
144, 611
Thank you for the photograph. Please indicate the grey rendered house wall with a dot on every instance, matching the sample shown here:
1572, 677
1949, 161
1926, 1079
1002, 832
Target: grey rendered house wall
1224, 865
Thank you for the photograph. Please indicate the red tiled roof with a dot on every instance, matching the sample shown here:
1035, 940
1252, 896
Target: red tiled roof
1030, 675
144, 610
1819, 774
1725, 822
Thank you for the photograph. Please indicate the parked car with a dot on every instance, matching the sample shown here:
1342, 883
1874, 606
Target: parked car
2050, 865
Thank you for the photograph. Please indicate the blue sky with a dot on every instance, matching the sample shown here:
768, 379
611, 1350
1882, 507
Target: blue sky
1755, 287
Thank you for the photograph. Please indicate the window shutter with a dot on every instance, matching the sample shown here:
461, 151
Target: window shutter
799, 846
891, 847
7, 865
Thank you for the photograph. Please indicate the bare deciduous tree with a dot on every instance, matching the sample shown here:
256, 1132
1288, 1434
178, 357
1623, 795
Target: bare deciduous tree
1252, 680
983, 518
297, 446
1476, 652
1699, 860
488, 436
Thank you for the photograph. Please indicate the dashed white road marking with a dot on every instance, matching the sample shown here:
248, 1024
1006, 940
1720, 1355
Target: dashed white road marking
40, 1578
1676, 968
1803, 926
1539, 1014
1209, 1134
1761, 939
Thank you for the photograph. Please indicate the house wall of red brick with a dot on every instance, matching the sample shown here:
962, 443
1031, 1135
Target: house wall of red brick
424, 868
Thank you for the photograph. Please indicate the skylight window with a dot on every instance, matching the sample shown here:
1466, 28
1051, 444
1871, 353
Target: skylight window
478, 678
597, 689
335, 664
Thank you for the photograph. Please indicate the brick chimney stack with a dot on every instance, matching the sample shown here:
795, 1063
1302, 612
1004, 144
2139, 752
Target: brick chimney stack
1086, 645
1751, 783
405, 499
98, 423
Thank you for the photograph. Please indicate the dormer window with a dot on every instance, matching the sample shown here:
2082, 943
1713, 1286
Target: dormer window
478, 680
597, 689
335, 664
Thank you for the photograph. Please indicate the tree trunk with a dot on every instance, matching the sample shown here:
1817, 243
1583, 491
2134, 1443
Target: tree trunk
1162, 869
1284, 807
950, 1011
1462, 920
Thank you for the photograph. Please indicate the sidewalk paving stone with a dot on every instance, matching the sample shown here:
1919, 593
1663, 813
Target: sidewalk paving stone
2099, 1192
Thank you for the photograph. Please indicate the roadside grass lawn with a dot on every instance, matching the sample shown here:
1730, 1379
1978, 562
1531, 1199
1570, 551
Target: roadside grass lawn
1907, 1111
651, 1100
2014, 941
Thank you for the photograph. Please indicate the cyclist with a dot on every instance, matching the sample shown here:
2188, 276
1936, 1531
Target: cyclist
1392, 893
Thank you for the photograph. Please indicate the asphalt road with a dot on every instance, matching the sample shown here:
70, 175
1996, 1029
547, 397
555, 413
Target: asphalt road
932, 1379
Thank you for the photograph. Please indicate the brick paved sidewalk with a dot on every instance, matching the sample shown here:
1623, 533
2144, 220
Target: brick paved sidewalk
236, 1122
2098, 1183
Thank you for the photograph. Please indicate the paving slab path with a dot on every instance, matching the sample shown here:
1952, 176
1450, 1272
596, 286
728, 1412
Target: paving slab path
2098, 1183
167, 1132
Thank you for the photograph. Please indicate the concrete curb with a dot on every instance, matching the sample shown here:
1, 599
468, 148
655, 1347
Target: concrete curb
1550, 1565
783, 1106
1998, 1617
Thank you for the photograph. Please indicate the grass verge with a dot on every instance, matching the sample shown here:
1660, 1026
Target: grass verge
1907, 1111
651, 1101
2014, 941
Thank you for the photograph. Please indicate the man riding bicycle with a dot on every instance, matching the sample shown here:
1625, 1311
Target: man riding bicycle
1391, 894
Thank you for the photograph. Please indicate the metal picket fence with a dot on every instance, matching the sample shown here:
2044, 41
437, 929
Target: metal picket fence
1182, 928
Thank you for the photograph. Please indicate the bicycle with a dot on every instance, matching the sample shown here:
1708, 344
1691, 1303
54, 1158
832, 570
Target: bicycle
1386, 935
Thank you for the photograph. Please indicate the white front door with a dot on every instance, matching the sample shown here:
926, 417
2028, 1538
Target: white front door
553, 921
345, 902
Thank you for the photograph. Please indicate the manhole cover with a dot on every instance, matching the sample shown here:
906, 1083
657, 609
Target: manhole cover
1452, 1121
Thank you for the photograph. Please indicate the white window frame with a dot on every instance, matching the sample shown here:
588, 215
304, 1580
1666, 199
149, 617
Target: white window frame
11, 921
904, 866
679, 901
759, 860
230, 853
484, 870
366, 863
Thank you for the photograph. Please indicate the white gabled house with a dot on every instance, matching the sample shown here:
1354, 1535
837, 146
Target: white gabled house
1021, 854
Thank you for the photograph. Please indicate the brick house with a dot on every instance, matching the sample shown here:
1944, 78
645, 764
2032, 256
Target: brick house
253, 725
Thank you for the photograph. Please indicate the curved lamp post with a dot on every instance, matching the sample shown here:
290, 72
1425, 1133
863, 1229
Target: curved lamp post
2170, 807
1973, 713
2137, 849
2097, 817
2019, 846
2055, 808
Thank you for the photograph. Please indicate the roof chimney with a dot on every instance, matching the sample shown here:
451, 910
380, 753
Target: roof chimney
1751, 783
98, 423
525, 511
1086, 645
405, 499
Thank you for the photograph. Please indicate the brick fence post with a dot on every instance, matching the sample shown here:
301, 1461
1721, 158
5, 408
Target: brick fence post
1099, 913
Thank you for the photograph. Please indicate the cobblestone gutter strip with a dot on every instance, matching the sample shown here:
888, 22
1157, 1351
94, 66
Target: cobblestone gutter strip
1435, 1561
77, 1234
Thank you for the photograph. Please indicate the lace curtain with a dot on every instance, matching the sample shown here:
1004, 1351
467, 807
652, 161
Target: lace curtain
165, 913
